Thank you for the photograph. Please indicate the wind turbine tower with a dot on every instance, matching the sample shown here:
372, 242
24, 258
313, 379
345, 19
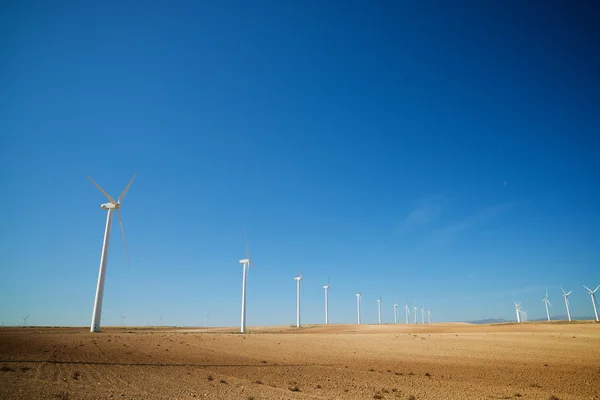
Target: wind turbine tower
428, 315
592, 293
517, 308
395, 313
25, 320
298, 279
111, 206
246, 262
407, 309
379, 310
566, 296
545, 300
326, 287
423, 314
358, 306
415, 313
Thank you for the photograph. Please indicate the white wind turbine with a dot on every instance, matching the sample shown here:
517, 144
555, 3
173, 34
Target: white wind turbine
326, 287
545, 300
298, 279
111, 206
592, 293
566, 296
122, 318
423, 314
415, 313
428, 315
358, 306
25, 320
395, 312
517, 308
379, 310
246, 262
407, 309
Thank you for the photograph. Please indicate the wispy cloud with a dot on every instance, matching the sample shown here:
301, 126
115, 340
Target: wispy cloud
453, 231
427, 211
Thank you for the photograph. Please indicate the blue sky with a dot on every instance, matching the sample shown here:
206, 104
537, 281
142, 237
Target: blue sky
447, 154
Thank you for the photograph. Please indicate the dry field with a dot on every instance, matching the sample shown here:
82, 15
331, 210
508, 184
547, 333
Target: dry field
437, 361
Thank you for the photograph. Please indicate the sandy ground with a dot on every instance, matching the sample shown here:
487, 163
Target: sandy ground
437, 361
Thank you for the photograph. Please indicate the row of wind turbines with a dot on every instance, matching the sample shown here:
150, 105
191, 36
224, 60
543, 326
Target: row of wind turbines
115, 205
522, 315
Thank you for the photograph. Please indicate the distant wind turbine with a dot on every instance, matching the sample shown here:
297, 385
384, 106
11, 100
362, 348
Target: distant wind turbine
246, 262
298, 280
517, 308
326, 287
592, 293
407, 309
122, 318
423, 314
358, 306
566, 296
428, 315
379, 310
545, 300
111, 206
25, 320
395, 312
415, 313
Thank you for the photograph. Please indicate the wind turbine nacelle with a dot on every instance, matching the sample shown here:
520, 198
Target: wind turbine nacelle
245, 261
108, 206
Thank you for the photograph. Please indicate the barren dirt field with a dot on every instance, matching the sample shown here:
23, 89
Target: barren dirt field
437, 361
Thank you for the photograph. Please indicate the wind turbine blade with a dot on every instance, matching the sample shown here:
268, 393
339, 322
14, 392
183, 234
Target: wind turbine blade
563, 290
549, 303
122, 196
124, 239
587, 288
569, 293
247, 247
597, 287
103, 191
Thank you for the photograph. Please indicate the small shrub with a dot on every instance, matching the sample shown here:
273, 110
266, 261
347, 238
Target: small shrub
259, 382
294, 388
25, 369
250, 397
411, 373
399, 373
389, 370
371, 370
378, 396
553, 397
6, 368
411, 397
427, 374
319, 387
76, 375
517, 395
394, 390
223, 381
263, 362
210, 378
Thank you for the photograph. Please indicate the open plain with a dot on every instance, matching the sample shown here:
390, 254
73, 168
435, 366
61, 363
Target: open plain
437, 361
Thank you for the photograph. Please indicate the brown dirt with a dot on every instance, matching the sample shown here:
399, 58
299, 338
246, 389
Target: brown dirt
437, 361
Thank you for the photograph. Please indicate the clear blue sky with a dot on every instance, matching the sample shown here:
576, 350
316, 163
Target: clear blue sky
444, 152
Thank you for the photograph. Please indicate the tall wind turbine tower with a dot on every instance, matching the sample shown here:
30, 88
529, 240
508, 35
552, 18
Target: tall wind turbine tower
246, 262
545, 300
407, 309
358, 306
592, 293
566, 296
395, 313
423, 314
298, 279
415, 313
326, 287
111, 206
517, 308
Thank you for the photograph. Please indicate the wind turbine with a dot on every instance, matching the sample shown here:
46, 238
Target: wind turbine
326, 287
25, 320
566, 296
545, 300
111, 206
358, 306
415, 313
298, 279
379, 310
592, 293
517, 308
246, 262
423, 314
407, 309
428, 315
122, 318
395, 312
